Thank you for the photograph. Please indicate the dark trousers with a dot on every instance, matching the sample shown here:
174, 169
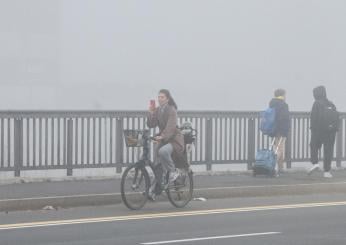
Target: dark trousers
327, 140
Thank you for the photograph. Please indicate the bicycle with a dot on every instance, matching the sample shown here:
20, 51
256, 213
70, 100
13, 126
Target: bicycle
136, 182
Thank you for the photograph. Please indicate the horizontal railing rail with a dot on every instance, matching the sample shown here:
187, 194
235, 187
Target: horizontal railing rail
35, 140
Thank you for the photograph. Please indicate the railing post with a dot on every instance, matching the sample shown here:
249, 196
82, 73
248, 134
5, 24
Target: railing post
288, 151
251, 143
119, 145
18, 146
339, 135
209, 143
69, 146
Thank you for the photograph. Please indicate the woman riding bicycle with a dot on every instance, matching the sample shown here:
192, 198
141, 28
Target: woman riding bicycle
171, 167
170, 148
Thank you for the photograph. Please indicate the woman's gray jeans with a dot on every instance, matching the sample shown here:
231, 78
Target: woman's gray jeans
165, 158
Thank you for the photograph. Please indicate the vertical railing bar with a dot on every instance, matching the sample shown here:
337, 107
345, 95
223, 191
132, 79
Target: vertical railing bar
134, 124
262, 141
299, 138
240, 134
28, 141
119, 144
214, 135
40, 141
94, 140
214, 142
45, 143
243, 138
235, 138
230, 138
9, 140
127, 148
100, 140
34, 141
69, 146
245, 127
82, 141
303, 137
52, 142
133, 120
258, 135
111, 140
208, 144
59, 142
202, 134
240, 139
195, 126
76, 141
88, 140
308, 137
344, 138
105, 120
65, 140
2, 142
221, 138
226, 139
295, 139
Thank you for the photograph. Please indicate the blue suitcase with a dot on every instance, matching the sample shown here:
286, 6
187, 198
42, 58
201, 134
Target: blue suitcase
265, 161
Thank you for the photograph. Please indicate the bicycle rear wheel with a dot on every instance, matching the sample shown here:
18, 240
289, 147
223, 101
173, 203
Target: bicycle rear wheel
135, 187
180, 194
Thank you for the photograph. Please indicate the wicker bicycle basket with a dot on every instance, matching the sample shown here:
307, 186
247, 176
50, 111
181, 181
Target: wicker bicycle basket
134, 138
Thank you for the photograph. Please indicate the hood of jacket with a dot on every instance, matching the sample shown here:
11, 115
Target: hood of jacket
320, 93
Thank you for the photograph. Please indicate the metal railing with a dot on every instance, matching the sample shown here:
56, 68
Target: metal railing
33, 140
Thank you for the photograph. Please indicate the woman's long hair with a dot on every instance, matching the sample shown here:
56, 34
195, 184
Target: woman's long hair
169, 97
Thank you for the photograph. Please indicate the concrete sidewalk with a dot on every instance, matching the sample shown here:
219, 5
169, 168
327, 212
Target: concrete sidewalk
71, 192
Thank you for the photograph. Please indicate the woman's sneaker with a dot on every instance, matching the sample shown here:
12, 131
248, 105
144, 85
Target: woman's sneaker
314, 168
327, 175
173, 176
151, 195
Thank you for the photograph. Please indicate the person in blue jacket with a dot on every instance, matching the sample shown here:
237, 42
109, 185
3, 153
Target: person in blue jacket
281, 125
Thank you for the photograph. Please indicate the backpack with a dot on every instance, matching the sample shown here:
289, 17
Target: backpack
329, 118
267, 121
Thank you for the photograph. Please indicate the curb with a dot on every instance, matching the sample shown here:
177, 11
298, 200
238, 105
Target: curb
208, 193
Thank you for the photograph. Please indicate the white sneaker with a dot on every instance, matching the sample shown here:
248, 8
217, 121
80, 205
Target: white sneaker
313, 168
327, 175
173, 176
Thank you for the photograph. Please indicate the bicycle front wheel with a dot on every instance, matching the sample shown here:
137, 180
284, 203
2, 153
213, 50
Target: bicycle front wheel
180, 194
135, 187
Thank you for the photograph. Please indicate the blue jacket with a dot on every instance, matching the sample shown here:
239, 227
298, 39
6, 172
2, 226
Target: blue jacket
282, 117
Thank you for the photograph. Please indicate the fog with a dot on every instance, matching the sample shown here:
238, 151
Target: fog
212, 55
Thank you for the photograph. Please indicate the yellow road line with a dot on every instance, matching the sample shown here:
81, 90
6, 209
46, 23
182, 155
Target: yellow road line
166, 215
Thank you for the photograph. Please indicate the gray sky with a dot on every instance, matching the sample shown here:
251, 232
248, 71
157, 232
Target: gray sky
212, 55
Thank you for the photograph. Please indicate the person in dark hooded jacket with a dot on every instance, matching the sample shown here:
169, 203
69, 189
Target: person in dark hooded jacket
281, 125
320, 134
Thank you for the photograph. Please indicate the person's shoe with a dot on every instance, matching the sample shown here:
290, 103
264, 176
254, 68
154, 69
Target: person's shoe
151, 195
327, 175
173, 176
313, 168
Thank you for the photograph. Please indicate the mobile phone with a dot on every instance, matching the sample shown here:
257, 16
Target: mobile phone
152, 104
